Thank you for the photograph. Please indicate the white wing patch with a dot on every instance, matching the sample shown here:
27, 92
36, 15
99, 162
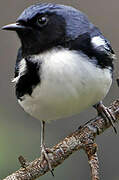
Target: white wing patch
98, 41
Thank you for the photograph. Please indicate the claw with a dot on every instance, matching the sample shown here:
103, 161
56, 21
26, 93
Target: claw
44, 155
112, 119
44, 150
106, 114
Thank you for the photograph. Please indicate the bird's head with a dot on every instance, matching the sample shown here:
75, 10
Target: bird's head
46, 25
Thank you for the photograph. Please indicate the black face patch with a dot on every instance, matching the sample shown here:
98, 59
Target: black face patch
39, 38
29, 80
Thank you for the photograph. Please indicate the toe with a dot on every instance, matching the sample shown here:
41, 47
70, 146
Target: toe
107, 114
44, 156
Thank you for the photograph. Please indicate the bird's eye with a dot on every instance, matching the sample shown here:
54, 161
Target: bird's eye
42, 21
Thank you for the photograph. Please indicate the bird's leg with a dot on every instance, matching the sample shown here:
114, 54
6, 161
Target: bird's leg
106, 114
44, 150
42, 133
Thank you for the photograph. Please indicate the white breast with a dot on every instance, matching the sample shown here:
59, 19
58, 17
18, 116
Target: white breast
69, 84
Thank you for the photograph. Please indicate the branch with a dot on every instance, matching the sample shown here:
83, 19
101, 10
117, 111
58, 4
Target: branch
91, 152
83, 138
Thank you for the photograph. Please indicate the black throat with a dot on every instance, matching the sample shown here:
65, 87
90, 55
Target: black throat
30, 78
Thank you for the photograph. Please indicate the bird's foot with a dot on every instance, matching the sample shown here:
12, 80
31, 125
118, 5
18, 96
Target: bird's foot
45, 156
107, 114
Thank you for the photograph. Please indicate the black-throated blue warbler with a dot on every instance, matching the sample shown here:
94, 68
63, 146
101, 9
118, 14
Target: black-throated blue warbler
64, 64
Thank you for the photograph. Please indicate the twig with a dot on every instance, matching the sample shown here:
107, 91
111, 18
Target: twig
83, 138
91, 151
23, 162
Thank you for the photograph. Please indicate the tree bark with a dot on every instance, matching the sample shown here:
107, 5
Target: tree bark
82, 138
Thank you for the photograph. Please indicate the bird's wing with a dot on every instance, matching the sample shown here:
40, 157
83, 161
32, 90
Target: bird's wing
95, 46
101, 48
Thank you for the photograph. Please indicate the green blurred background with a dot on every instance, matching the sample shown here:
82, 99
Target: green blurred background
20, 133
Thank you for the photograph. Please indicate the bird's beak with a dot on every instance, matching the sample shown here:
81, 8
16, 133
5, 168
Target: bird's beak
13, 27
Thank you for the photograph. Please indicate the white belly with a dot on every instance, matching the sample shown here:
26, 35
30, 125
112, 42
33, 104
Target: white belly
69, 84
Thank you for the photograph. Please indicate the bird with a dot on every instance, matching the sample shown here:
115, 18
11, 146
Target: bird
64, 65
